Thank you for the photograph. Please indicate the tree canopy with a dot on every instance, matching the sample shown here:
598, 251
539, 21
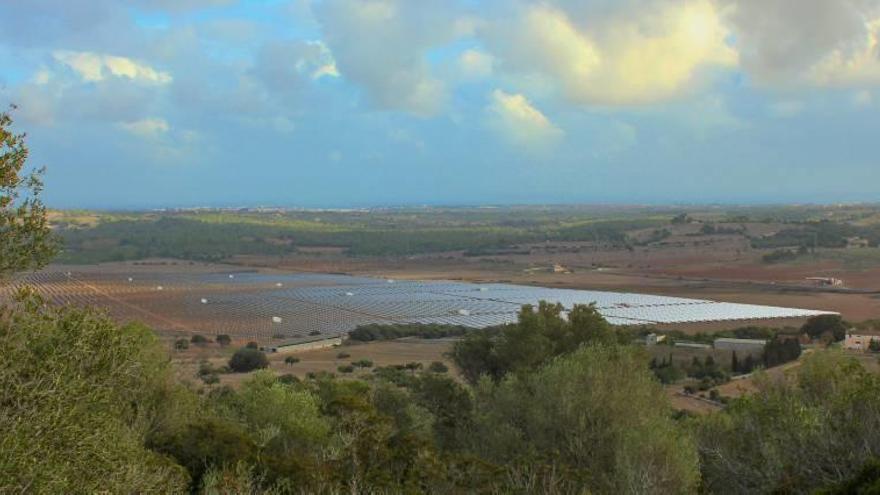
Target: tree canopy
26, 241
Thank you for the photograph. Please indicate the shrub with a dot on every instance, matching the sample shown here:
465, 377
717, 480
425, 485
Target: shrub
362, 363
210, 378
290, 360
248, 359
343, 355
438, 367
252, 345
346, 369
223, 339
181, 344
818, 326
198, 339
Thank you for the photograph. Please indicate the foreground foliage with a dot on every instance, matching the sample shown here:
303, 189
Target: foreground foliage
78, 398
26, 241
817, 428
89, 406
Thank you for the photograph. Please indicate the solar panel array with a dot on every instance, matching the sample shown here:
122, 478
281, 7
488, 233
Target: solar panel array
290, 306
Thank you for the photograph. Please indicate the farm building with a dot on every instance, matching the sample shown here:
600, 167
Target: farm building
860, 340
743, 346
304, 345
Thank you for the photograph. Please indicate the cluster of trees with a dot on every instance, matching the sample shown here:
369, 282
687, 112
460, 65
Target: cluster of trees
666, 371
211, 237
541, 334
376, 331
784, 255
824, 233
780, 351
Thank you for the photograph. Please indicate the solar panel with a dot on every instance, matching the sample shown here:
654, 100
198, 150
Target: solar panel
297, 305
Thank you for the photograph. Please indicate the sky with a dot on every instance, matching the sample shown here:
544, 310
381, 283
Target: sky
344, 103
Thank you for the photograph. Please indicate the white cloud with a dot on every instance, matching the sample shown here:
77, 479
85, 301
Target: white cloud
146, 128
821, 42
285, 65
381, 45
96, 67
635, 55
515, 118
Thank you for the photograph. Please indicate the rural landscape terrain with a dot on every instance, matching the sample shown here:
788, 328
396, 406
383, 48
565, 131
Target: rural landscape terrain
441, 247
815, 257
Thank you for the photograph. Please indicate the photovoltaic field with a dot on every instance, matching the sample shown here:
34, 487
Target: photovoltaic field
264, 306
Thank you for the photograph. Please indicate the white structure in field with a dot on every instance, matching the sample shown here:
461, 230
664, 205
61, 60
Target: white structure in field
860, 340
747, 346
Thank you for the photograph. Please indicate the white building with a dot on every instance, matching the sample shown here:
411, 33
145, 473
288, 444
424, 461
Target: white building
860, 340
747, 346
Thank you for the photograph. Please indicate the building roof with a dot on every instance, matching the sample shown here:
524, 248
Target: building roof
725, 340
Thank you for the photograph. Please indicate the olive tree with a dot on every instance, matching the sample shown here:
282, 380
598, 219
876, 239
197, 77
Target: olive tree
26, 241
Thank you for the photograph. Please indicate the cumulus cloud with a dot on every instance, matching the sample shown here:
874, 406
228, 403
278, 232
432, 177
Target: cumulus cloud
628, 54
817, 41
381, 45
146, 128
284, 65
95, 67
515, 118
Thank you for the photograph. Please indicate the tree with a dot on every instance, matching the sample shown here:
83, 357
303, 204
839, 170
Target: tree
820, 325
362, 363
540, 334
247, 359
181, 344
413, 366
291, 360
345, 369
26, 241
438, 367
252, 345
794, 436
199, 340
79, 398
593, 421
223, 339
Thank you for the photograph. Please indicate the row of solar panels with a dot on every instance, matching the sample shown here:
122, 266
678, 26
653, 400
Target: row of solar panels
342, 302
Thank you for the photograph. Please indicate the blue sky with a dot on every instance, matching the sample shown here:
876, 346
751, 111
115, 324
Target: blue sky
336, 103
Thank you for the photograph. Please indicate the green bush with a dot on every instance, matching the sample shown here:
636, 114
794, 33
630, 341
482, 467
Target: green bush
247, 359
438, 367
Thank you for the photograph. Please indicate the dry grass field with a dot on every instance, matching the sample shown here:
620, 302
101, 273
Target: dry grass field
397, 352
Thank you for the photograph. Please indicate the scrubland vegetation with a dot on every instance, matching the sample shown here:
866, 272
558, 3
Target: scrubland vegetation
550, 406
